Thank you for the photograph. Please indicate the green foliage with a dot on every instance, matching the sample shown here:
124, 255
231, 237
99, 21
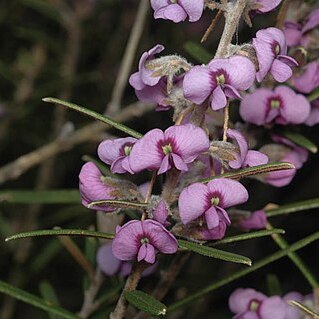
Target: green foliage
302, 141
213, 252
145, 302
198, 52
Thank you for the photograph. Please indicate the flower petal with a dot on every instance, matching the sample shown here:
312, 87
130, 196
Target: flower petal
242, 144
157, 4
146, 154
147, 253
218, 99
173, 12
194, 9
268, 5
198, 84
189, 141
192, 202
212, 218
106, 261
273, 307
179, 163
165, 165
255, 158
280, 71
257, 220
231, 192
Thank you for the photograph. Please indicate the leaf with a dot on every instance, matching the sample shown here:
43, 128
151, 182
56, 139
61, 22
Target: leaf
214, 253
197, 52
118, 203
35, 301
247, 236
145, 302
43, 7
61, 232
294, 207
48, 293
94, 115
301, 141
314, 95
274, 287
255, 170
41, 197
304, 309
243, 272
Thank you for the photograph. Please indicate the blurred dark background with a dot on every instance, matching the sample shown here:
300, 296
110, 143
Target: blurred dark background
72, 50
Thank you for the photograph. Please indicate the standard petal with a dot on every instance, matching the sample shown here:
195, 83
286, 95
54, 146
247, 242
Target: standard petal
157, 4
106, 261
110, 150
268, 5
240, 299
309, 80
255, 158
265, 57
257, 220
165, 165
192, 202
179, 163
230, 192
218, 99
280, 71
160, 237
146, 153
125, 245
273, 307
198, 84
242, 144
296, 108
194, 9
189, 141
254, 107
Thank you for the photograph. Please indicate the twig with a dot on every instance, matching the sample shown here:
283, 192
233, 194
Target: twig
211, 26
233, 14
126, 64
282, 14
22, 164
226, 121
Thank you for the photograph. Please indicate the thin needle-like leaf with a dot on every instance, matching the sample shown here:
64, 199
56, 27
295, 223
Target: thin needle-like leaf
94, 115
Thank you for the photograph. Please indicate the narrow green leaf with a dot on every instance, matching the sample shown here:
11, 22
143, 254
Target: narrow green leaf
255, 170
314, 95
61, 196
48, 293
35, 301
145, 302
214, 253
197, 52
94, 115
304, 309
294, 207
118, 203
301, 141
243, 272
43, 7
61, 232
247, 236
273, 284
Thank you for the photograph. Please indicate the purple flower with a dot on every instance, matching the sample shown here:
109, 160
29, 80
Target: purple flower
116, 152
94, 187
144, 77
267, 5
309, 79
245, 158
178, 10
176, 147
284, 151
209, 201
298, 33
281, 105
291, 311
271, 49
257, 220
313, 117
160, 213
111, 266
142, 240
220, 79
251, 304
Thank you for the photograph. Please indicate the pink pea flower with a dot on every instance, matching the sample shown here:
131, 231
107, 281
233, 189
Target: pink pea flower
116, 152
176, 147
281, 105
309, 79
245, 158
257, 220
142, 240
251, 304
160, 213
313, 117
291, 311
267, 5
209, 201
284, 151
220, 79
111, 266
271, 50
94, 187
298, 33
144, 77
178, 10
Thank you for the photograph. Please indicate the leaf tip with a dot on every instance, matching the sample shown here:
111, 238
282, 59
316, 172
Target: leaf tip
46, 99
162, 312
7, 239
